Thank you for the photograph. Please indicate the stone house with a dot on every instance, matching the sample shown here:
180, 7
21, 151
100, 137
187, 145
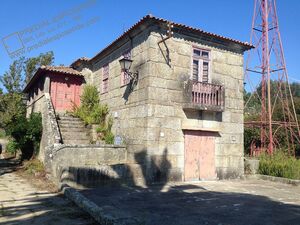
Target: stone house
182, 118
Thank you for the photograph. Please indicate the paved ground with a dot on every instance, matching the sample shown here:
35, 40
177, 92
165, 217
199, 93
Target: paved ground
248, 202
21, 203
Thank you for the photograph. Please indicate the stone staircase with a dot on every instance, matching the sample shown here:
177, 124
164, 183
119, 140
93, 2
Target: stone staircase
73, 130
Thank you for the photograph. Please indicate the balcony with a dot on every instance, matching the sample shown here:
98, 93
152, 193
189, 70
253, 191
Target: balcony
204, 96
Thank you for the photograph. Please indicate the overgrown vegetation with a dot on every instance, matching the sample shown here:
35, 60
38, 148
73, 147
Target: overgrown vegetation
279, 165
25, 135
253, 110
91, 111
2, 133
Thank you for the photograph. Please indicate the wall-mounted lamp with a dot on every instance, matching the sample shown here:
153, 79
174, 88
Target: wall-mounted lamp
125, 65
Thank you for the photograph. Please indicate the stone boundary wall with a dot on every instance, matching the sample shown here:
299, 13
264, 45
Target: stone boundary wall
88, 165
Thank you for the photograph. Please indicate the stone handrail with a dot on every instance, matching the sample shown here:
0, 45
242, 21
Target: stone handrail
52, 119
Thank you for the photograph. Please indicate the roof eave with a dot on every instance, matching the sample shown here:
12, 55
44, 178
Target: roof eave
149, 20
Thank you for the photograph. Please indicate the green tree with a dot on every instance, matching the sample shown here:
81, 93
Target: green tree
12, 79
32, 64
11, 107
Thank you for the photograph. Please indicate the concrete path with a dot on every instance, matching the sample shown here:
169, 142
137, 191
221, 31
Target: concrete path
21, 203
251, 202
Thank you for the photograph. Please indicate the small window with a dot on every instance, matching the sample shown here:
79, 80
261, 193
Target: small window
197, 52
125, 78
201, 65
205, 54
105, 76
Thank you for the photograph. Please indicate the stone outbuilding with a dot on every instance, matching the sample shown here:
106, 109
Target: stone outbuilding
181, 118
63, 83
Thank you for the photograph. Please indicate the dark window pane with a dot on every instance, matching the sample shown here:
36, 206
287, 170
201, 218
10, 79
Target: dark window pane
205, 69
197, 52
205, 54
195, 70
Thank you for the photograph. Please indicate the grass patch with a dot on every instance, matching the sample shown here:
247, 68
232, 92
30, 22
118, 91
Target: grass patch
34, 167
279, 165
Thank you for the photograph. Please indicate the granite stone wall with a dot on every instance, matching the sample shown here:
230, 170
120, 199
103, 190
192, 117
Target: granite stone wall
89, 165
151, 118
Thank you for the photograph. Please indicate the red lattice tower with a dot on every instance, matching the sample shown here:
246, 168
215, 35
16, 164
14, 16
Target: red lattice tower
267, 60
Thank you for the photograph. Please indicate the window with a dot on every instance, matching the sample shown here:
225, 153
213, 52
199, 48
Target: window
201, 65
125, 78
105, 75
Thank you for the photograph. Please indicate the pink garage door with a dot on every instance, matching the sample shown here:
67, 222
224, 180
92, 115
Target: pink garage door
199, 155
64, 92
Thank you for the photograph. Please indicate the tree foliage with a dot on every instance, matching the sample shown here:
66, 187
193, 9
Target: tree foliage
32, 64
11, 107
22, 70
253, 110
25, 133
12, 79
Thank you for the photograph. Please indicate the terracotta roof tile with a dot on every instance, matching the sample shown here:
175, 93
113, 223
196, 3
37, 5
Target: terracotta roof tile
61, 69
55, 69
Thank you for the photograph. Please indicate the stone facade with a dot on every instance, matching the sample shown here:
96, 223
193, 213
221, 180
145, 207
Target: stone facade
151, 118
153, 114
88, 165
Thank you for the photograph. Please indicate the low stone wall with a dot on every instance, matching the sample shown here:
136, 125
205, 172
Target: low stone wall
88, 165
251, 165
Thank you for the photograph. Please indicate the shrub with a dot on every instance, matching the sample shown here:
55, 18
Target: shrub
12, 147
2, 133
26, 134
92, 112
279, 165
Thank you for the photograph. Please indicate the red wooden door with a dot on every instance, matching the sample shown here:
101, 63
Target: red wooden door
199, 155
65, 92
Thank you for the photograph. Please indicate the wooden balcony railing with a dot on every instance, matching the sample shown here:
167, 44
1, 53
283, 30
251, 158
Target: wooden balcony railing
206, 96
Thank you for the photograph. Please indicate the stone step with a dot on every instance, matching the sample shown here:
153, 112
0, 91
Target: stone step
75, 135
76, 142
71, 122
74, 129
69, 118
66, 125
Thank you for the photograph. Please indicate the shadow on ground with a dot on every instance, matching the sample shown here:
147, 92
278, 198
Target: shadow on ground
186, 204
8, 165
190, 205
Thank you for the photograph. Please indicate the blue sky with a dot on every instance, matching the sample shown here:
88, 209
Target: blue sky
230, 18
